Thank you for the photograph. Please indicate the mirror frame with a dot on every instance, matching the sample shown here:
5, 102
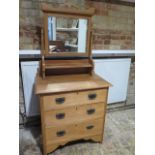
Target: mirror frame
70, 13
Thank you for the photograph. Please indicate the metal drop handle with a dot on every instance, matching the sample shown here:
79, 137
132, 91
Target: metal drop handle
60, 116
60, 133
90, 111
92, 96
90, 127
60, 100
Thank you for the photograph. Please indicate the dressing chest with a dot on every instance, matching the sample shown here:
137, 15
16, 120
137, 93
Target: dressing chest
72, 97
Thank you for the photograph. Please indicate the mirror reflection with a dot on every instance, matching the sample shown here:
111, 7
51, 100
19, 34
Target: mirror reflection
67, 34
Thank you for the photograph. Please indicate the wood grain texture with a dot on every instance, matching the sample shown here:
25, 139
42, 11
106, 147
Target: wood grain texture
73, 99
72, 106
69, 83
67, 63
70, 13
42, 126
73, 114
80, 122
59, 67
52, 147
46, 46
104, 113
74, 131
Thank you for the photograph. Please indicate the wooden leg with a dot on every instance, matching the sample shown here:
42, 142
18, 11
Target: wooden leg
51, 148
44, 150
97, 138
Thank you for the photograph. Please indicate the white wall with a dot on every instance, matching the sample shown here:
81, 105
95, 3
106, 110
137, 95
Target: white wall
33, 52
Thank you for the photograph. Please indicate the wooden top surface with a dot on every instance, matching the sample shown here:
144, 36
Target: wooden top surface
69, 83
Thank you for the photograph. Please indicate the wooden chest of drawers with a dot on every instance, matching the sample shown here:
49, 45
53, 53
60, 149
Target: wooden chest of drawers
72, 107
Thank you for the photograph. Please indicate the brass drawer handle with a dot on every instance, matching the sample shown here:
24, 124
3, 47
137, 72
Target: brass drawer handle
90, 127
60, 100
90, 111
92, 96
61, 133
60, 116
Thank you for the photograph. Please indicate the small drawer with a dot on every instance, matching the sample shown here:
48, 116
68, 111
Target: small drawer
92, 96
59, 101
91, 111
59, 117
91, 127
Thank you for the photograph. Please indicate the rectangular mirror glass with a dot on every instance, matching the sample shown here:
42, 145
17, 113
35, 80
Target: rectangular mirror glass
67, 34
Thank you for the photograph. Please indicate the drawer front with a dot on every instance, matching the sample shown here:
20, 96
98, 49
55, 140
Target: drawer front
60, 134
92, 96
91, 127
59, 101
72, 132
74, 114
91, 111
59, 117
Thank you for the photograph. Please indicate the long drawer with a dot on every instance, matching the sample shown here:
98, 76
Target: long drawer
72, 132
73, 114
59, 101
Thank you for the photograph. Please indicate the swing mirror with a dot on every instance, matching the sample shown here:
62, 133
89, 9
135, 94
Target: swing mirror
66, 31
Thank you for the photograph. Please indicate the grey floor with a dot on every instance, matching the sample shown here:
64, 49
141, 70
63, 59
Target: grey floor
119, 138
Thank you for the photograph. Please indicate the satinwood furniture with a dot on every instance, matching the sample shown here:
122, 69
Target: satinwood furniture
72, 97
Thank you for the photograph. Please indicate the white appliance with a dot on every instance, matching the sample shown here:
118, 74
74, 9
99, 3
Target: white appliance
116, 71
29, 70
